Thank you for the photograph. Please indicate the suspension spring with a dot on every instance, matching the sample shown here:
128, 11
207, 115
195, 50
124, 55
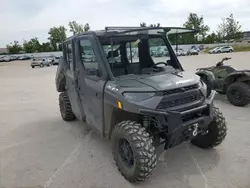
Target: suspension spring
146, 121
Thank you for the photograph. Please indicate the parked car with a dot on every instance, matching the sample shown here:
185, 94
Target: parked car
195, 48
158, 53
225, 49
39, 62
24, 57
221, 49
184, 52
7, 59
214, 50
192, 52
201, 47
1, 59
178, 52
55, 60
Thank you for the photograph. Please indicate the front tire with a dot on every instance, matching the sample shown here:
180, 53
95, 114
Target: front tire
133, 151
238, 94
216, 133
65, 107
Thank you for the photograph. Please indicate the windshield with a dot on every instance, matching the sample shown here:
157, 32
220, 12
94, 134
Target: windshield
138, 55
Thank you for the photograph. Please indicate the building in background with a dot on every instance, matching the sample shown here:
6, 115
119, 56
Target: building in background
246, 36
3, 50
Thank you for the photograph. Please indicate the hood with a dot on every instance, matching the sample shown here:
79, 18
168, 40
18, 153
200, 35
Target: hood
170, 81
158, 82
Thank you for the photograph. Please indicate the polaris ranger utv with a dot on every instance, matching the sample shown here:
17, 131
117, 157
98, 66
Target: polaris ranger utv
139, 102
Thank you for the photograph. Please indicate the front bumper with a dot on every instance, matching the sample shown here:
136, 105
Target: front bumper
176, 128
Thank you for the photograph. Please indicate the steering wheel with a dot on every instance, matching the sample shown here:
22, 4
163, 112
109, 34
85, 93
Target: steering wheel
159, 63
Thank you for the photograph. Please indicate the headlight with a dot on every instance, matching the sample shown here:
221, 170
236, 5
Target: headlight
138, 96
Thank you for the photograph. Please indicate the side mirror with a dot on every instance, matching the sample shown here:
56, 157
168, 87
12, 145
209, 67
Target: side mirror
168, 62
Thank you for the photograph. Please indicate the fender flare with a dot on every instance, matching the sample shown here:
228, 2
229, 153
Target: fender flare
208, 75
236, 76
60, 79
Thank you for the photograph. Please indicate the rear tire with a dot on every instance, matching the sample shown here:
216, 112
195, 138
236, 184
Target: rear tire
140, 146
238, 94
65, 107
32, 67
217, 131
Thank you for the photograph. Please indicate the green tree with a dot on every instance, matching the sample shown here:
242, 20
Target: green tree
57, 36
155, 25
14, 48
143, 24
46, 47
31, 46
229, 28
75, 28
211, 38
195, 22
86, 27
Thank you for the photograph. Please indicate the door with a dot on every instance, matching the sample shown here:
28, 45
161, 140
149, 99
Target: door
71, 79
91, 80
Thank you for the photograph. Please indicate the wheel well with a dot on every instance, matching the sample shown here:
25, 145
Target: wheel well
121, 115
238, 77
60, 83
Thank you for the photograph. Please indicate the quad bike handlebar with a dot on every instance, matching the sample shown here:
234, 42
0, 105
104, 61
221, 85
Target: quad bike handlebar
221, 62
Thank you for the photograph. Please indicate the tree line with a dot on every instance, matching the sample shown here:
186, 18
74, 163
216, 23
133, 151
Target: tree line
229, 29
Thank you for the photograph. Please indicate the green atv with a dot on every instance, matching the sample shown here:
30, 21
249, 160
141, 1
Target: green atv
226, 80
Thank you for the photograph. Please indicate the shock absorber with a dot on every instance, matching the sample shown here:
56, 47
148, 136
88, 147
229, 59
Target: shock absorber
146, 121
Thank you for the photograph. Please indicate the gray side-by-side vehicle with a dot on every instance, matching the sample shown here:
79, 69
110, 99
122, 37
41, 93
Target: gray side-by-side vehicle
142, 103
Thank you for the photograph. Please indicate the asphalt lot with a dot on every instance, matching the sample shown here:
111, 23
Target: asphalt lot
39, 149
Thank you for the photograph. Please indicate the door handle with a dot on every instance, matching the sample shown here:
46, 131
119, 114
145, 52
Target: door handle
97, 95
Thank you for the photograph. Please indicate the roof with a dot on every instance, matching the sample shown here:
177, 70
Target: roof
111, 31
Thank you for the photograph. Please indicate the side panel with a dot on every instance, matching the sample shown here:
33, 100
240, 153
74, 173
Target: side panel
60, 77
91, 81
70, 78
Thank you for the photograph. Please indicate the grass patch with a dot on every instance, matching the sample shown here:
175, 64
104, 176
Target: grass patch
241, 48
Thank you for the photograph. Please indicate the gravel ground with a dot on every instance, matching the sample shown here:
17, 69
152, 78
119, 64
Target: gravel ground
39, 149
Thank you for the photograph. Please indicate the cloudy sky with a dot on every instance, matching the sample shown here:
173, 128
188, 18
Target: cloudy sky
24, 19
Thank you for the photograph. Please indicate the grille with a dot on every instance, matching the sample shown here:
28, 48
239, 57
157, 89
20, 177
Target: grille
181, 101
181, 89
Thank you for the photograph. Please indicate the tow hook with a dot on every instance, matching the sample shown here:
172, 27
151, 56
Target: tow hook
195, 129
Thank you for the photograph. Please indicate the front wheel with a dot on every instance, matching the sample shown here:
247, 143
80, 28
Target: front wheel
41, 65
238, 94
215, 134
65, 107
133, 151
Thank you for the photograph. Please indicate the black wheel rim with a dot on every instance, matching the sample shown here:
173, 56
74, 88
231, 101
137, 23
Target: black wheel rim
126, 153
236, 94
